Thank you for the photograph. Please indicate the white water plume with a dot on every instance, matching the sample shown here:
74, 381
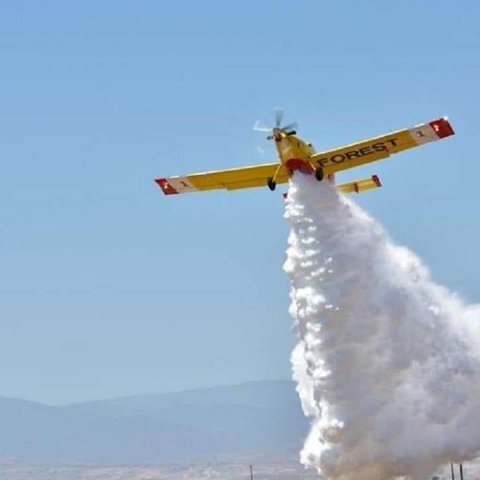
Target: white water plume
388, 362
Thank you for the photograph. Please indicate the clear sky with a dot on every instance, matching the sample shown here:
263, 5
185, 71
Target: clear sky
108, 288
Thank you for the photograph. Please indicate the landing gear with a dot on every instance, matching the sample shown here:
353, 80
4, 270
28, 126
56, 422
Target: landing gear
319, 174
271, 181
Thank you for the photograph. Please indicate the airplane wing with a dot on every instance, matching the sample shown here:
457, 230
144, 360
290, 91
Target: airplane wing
381, 147
231, 179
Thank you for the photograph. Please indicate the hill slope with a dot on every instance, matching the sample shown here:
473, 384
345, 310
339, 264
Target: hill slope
254, 417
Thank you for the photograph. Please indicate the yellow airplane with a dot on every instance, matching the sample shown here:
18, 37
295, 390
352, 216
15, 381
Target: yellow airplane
297, 155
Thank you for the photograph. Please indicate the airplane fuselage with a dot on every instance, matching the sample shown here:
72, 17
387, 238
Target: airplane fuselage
294, 153
292, 147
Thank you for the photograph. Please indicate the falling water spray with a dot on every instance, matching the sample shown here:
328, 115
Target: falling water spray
388, 363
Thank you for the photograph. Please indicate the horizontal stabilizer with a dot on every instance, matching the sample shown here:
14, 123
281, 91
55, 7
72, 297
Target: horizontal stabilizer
360, 185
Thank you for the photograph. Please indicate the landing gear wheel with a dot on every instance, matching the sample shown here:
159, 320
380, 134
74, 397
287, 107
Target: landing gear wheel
319, 174
271, 184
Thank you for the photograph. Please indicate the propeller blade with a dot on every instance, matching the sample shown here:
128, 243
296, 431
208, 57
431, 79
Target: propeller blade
259, 127
290, 127
278, 117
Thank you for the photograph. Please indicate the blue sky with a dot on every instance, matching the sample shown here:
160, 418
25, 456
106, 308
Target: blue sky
107, 287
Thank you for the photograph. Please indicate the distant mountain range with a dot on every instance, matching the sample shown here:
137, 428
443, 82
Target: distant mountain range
251, 418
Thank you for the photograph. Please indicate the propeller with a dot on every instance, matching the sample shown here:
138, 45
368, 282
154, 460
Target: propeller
288, 129
278, 116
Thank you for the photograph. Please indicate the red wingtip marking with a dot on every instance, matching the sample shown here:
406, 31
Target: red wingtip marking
442, 127
377, 181
165, 186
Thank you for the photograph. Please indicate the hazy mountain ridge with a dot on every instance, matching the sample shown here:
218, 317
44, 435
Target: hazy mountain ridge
252, 417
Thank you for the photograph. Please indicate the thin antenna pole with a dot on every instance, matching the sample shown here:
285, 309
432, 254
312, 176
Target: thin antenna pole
452, 471
251, 472
461, 471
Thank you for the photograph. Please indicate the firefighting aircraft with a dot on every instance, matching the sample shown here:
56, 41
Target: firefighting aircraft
297, 155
